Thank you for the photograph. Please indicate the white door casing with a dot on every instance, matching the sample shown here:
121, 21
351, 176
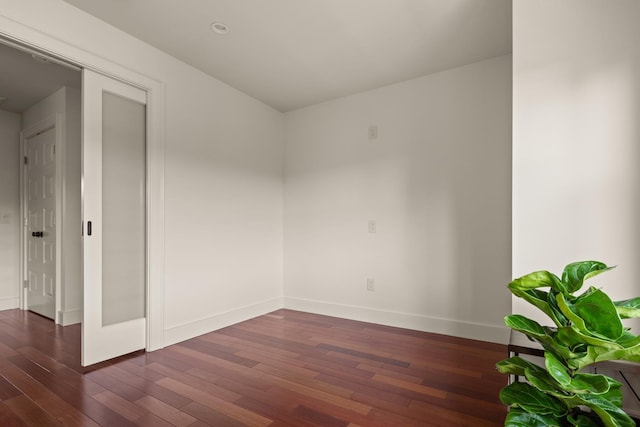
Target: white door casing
41, 230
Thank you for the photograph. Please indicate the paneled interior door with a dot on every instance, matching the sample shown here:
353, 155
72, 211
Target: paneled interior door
41, 222
115, 218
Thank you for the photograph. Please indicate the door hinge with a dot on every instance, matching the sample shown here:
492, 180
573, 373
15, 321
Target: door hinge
26, 160
54, 150
26, 284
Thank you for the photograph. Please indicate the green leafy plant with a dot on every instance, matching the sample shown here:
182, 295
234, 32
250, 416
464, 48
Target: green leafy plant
587, 329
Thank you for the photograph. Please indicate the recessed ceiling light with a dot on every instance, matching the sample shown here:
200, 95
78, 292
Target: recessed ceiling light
219, 28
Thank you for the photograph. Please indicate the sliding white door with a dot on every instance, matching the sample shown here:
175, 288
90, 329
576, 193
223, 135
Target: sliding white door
114, 189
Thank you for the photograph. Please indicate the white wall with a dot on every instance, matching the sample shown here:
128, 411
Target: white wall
224, 195
223, 177
9, 209
437, 181
66, 102
576, 180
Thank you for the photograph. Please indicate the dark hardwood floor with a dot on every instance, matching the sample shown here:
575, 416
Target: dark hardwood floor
286, 368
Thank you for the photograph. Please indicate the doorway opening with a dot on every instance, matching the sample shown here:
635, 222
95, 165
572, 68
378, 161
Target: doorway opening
41, 206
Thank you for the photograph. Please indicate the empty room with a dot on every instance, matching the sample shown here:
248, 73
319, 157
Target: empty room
290, 213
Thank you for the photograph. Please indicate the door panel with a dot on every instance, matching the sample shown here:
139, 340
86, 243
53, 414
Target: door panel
41, 223
123, 210
115, 216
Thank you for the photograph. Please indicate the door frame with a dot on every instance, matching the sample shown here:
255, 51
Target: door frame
67, 52
55, 122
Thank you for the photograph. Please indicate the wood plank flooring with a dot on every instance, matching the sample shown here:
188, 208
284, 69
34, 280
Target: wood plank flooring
286, 368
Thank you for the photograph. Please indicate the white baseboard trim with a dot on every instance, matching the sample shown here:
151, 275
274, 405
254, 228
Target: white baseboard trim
196, 328
9, 303
70, 317
457, 328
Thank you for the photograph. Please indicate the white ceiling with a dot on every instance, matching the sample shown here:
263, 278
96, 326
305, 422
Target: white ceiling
294, 53
24, 81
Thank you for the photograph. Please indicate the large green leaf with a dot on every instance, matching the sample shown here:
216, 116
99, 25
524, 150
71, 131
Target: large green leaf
543, 335
566, 308
628, 309
515, 366
576, 273
538, 279
557, 381
593, 313
557, 369
529, 398
520, 418
614, 395
563, 352
600, 354
523, 324
631, 354
539, 299
628, 340
599, 314
540, 379
611, 415
573, 337
558, 318
588, 383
